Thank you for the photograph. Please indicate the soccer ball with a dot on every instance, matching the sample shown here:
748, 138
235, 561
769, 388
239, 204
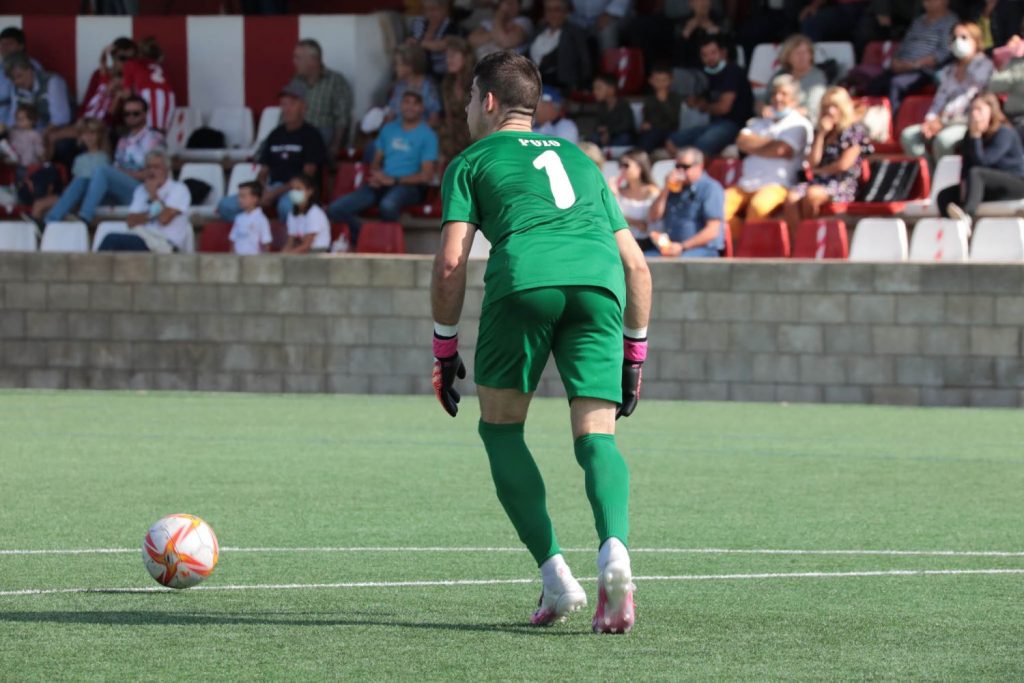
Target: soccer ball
180, 550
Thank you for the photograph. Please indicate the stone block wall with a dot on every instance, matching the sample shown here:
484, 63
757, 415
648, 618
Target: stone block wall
929, 334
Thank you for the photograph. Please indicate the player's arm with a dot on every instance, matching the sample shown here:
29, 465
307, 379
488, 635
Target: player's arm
447, 293
634, 321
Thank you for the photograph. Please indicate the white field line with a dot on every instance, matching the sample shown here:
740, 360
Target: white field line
505, 582
474, 549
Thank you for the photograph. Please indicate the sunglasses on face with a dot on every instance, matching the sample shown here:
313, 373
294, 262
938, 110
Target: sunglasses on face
684, 167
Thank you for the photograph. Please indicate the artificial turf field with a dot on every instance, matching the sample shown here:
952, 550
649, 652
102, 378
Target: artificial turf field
296, 475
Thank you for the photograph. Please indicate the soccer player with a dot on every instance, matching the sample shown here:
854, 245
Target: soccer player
565, 277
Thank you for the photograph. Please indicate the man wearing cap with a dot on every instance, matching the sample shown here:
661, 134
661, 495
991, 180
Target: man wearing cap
293, 148
549, 117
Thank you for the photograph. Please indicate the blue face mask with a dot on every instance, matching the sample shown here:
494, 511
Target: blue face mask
717, 68
781, 113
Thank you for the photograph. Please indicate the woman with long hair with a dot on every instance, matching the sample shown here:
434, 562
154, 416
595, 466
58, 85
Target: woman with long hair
309, 230
959, 81
635, 192
993, 162
411, 73
840, 145
453, 134
796, 58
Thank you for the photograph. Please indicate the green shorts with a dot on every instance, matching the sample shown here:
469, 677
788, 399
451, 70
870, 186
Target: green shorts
580, 325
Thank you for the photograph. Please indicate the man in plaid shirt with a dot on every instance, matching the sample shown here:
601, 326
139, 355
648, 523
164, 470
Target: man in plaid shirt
328, 95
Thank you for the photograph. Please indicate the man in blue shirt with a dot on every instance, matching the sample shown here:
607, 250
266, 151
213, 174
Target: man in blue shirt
693, 207
402, 167
45, 91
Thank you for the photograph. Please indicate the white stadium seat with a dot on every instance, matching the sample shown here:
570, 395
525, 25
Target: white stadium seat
947, 174
610, 170
71, 236
241, 172
660, 171
939, 239
106, 228
184, 121
764, 64
235, 123
212, 175
879, 239
270, 119
18, 236
998, 240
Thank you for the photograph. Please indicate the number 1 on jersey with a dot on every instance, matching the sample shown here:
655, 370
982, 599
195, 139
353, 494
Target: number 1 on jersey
561, 188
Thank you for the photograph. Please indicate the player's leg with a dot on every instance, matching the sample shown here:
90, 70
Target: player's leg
588, 350
512, 348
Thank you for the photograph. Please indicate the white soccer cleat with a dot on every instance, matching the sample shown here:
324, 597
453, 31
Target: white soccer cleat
560, 597
616, 612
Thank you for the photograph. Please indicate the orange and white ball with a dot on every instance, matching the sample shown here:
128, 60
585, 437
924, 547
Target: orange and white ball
180, 550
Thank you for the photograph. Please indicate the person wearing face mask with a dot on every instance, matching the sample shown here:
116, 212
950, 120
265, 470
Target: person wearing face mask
728, 101
775, 147
308, 227
946, 122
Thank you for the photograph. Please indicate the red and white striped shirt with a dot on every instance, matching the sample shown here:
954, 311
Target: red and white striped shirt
146, 78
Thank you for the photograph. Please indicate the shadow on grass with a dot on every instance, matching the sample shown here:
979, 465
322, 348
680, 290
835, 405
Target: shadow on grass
158, 618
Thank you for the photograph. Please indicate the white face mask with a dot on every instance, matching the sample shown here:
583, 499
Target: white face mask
298, 197
962, 48
717, 68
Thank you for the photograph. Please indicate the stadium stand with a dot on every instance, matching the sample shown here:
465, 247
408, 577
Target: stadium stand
821, 239
18, 236
879, 239
764, 239
378, 237
67, 236
938, 239
212, 175
105, 228
998, 240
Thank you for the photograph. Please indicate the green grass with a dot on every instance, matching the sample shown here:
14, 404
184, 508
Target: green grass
93, 470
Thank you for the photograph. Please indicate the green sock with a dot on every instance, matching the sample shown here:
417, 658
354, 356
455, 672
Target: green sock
520, 487
607, 482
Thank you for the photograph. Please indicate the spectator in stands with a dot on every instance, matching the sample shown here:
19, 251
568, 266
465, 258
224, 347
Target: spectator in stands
12, 42
550, 119
45, 91
923, 50
23, 143
701, 21
411, 76
655, 31
560, 49
145, 76
403, 165
308, 227
453, 134
769, 21
1010, 81
603, 19
959, 81
106, 85
635, 192
328, 95
114, 183
993, 162
593, 152
507, 30
728, 101
796, 58
615, 123
429, 32
158, 212
836, 159
885, 20
775, 147
822, 20
661, 110
95, 145
250, 233
291, 149
692, 209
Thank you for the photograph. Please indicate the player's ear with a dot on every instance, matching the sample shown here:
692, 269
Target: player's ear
490, 103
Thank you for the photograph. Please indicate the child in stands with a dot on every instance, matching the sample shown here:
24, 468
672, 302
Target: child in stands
250, 233
615, 124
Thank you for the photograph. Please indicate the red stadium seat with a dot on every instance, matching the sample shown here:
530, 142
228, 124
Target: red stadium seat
918, 191
349, 177
911, 112
878, 55
725, 171
339, 229
626, 65
430, 207
821, 239
278, 235
876, 115
214, 237
381, 238
764, 239
728, 251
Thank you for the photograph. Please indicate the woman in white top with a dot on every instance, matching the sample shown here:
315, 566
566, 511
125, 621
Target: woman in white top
636, 192
508, 30
308, 227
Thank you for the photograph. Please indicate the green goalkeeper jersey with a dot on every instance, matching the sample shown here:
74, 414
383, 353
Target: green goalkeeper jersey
545, 208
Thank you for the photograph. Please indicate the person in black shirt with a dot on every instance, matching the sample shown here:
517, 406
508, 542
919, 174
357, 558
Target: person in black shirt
728, 100
661, 110
615, 123
293, 148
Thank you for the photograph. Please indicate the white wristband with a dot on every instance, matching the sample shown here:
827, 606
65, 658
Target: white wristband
445, 330
638, 333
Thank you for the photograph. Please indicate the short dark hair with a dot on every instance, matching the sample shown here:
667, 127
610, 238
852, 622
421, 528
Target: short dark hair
717, 39
414, 94
607, 80
254, 186
137, 100
312, 45
124, 44
512, 78
13, 33
661, 68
